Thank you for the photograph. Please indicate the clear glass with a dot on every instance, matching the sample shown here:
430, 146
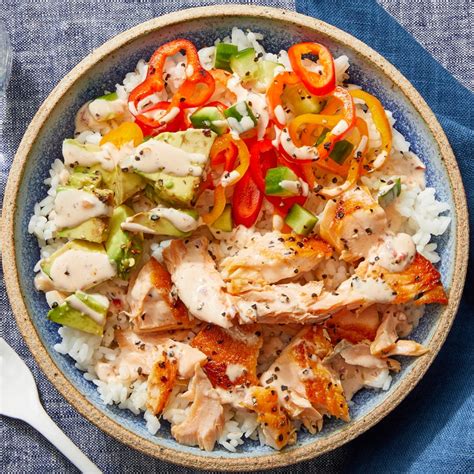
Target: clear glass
5, 58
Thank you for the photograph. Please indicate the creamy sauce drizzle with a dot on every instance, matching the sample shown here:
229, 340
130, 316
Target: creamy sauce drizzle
74, 206
156, 155
103, 110
79, 270
98, 317
395, 253
234, 371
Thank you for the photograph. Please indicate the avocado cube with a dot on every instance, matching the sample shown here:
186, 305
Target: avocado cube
123, 247
123, 184
149, 222
181, 190
92, 230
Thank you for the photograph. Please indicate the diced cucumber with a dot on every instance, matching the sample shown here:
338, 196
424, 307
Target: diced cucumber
265, 74
209, 117
224, 51
244, 64
224, 222
274, 179
240, 117
300, 220
341, 150
388, 193
300, 101
109, 97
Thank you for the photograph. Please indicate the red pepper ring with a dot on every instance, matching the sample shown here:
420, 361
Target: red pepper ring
261, 161
275, 92
197, 88
148, 124
321, 83
246, 201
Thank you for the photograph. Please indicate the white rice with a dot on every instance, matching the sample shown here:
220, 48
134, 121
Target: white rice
421, 214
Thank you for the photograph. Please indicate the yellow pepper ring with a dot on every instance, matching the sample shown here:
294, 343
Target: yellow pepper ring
125, 133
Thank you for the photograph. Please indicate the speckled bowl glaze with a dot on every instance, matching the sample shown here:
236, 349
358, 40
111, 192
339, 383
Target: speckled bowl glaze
107, 66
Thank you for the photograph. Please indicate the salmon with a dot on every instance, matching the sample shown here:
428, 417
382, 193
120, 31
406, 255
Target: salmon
278, 303
198, 283
138, 353
353, 223
152, 306
306, 388
274, 422
358, 368
231, 354
205, 420
270, 258
354, 326
419, 282
387, 342
160, 383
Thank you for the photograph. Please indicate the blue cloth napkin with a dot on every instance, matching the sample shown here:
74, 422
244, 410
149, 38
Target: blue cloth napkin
432, 430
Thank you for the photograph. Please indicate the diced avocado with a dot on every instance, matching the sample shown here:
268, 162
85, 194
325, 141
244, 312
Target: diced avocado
300, 101
300, 220
389, 192
224, 51
156, 225
72, 245
209, 117
181, 191
87, 154
240, 117
81, 311
124, 248
92, 230
67, 316
123, 184
83, 177
244, 64
224, 222
274, 179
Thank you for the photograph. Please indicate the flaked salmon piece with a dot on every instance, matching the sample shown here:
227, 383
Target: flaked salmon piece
152, 306
277, 303
358, 368
270, 258
161, 382
198, 283
353, 223
274, 422
205, 419
306, 388
231, 354
138, 353
419, 281
387, 342
354, 326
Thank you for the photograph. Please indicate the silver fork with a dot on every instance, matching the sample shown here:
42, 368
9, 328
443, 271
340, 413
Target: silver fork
19, 399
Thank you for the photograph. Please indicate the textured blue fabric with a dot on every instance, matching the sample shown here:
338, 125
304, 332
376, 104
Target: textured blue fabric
432, 430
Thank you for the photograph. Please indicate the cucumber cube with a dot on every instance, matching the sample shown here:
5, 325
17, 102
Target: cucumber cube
277, 180
224, 51
300, 220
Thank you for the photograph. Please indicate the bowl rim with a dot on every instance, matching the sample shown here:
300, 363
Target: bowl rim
119, 432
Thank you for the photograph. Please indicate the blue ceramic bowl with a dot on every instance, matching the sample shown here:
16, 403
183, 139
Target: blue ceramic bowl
106, 67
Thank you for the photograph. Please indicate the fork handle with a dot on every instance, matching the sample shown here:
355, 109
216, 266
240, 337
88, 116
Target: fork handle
48, 428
